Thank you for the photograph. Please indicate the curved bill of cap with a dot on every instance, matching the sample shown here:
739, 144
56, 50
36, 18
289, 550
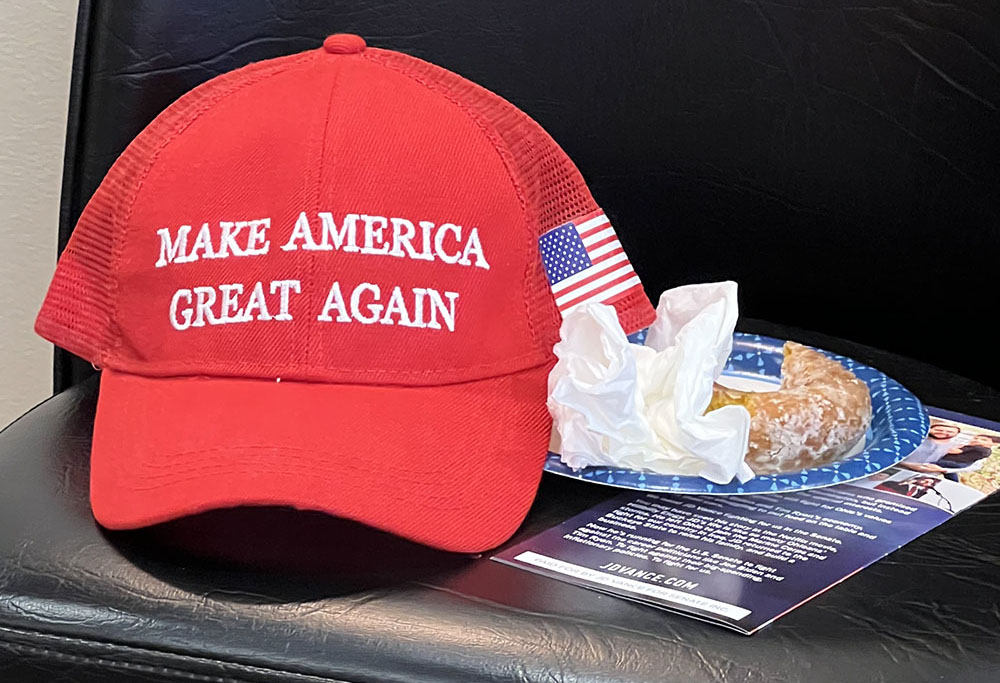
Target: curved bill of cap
454, 466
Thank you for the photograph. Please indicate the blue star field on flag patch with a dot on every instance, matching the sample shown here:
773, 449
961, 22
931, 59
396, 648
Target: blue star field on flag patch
563, 253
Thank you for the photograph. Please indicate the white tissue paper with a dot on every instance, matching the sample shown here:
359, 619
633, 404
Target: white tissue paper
624, 405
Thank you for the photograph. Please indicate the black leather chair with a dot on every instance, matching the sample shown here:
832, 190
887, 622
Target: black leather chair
837, 159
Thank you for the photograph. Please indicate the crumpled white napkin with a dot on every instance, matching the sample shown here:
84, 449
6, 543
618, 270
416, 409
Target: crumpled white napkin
624, 405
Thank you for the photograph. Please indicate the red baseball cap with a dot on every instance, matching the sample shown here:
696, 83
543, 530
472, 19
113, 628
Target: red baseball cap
315, 282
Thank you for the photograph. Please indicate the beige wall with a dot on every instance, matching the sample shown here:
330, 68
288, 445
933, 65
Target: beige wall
36, 48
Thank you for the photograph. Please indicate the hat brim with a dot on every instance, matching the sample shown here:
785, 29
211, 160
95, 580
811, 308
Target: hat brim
454, 466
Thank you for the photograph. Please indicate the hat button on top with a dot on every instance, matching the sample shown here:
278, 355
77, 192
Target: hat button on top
344, 44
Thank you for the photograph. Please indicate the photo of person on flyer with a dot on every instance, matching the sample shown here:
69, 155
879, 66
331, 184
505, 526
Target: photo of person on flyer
951, 451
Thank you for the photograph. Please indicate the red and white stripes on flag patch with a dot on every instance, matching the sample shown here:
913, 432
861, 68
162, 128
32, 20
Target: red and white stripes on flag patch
584, 261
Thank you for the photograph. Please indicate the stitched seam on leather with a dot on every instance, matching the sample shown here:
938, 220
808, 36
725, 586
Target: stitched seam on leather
111, 663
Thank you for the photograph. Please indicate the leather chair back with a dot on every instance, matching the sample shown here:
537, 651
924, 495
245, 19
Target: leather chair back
839, 160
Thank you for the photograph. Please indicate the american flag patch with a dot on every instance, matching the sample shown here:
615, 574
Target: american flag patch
584, 261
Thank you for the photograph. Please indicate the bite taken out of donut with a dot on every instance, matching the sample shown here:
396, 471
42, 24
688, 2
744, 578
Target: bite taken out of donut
820, 413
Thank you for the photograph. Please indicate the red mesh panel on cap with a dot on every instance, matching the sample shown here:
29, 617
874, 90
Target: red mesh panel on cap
78, 313
550, 185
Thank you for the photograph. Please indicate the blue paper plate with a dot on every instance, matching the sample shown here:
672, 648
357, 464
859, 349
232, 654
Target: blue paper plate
899, 423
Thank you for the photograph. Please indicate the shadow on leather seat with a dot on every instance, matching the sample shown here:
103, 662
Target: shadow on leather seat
255, 555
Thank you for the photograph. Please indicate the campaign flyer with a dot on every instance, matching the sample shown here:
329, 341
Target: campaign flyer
743, 561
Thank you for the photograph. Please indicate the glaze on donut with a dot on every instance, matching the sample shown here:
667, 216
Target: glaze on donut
818, 415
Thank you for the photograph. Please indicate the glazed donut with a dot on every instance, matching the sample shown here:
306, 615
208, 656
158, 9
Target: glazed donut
818, 415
